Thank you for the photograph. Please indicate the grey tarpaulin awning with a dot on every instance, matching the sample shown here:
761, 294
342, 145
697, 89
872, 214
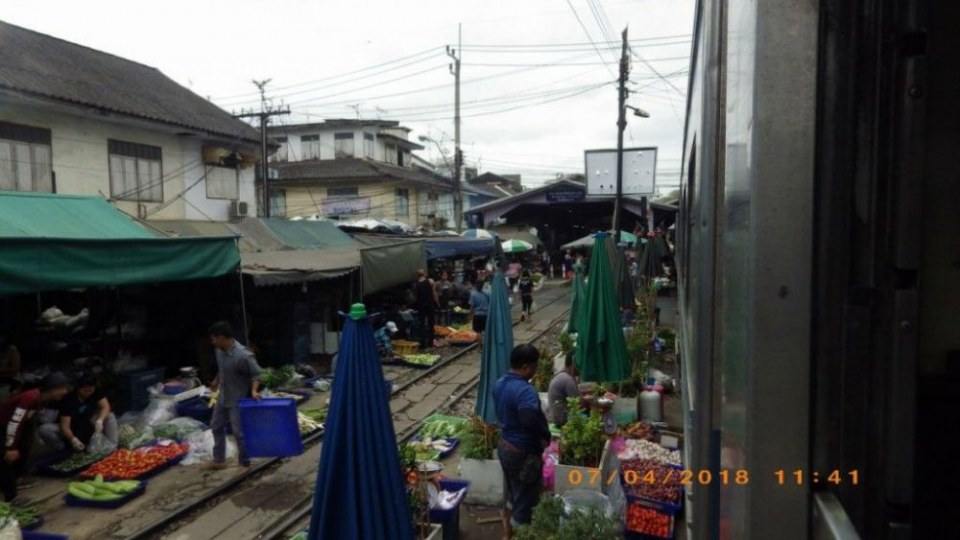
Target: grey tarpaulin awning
297, 266
391, 264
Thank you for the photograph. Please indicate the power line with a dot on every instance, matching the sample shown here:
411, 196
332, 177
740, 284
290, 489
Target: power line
434, 49
589, 37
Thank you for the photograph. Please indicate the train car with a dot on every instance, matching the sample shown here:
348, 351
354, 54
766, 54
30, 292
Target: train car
819, 269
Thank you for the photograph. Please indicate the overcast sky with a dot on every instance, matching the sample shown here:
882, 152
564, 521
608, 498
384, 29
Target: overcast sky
528, 110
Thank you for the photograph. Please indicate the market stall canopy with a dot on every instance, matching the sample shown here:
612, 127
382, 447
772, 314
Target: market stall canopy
437, 247
477, 233
587, 241
308, 234
52, 242
292, 266
360, 489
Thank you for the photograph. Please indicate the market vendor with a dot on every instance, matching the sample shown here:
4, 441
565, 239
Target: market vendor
523, 436
479, 307
383, 337
83, 413
238, 376
562, 387
16, 418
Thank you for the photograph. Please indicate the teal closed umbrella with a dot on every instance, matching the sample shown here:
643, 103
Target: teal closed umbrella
577, 301
601, 349
497, 345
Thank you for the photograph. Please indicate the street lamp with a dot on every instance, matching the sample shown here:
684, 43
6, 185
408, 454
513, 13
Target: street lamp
638, 112
621, 126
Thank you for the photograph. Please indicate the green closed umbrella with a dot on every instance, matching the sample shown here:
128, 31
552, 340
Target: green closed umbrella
497, 345
601, 349
577, 301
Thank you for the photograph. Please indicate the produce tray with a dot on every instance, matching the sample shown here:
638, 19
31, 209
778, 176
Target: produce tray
459, 420
32, 535
37, 523
147, 474
76, 501
633, 535
48, 470
663, 506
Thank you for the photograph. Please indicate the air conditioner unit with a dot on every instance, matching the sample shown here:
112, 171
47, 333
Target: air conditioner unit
238, 209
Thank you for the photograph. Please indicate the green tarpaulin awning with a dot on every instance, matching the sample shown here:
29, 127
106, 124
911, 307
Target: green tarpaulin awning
52, 242
308, 234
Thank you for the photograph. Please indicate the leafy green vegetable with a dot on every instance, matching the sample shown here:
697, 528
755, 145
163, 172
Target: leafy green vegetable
479, 439
78, 460
277, 377
549, 523
25, 516
582, 437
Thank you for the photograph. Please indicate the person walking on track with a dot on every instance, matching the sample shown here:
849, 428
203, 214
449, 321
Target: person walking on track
237, 378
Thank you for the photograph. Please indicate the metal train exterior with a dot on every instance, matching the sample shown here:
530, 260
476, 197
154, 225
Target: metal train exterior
819, 266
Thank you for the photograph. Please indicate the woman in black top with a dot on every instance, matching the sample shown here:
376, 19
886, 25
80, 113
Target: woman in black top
526, 294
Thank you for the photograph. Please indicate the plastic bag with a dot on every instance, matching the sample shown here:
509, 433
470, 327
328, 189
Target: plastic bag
201, 448
100, 444
178, 428
551, 457
161, 409
10, 529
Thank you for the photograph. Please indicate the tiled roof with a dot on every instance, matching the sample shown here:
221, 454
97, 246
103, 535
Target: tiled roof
39, 65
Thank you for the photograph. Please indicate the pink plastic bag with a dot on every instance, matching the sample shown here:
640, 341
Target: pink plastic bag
551, 456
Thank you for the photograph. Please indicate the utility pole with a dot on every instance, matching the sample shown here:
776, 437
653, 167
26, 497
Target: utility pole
455, 54
621, 125
264, 116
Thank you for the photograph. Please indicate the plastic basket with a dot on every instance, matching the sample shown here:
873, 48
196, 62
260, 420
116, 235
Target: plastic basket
270, 427
450, 519
663, 506
403, 347
634, 535
76, 501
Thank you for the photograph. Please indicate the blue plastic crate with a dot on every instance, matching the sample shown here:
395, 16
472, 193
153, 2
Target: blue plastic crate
450, 519
270, 427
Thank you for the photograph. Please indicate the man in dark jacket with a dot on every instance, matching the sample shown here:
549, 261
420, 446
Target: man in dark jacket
426, 303
523, 436
16, 418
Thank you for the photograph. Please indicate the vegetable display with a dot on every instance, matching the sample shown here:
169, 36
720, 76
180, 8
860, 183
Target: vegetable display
277, 377
127, 464
429, 449
440, 428
307, 424
582, 438
638, 430
25, 516
463, 336
645, 520
642, 449
443, 331
652, 480
102, 491
77, 460
422, 359
317, 415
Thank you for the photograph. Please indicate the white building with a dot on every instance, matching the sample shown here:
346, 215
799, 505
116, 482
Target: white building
75, 120
349, 169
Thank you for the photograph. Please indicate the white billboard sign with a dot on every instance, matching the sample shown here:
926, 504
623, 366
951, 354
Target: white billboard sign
639, 171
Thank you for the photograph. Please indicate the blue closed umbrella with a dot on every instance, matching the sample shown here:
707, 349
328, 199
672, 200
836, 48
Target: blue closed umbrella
497, 345
360, 491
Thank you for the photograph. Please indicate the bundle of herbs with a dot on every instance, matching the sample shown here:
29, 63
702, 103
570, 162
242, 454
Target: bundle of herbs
549, 523
582, 437
479, 439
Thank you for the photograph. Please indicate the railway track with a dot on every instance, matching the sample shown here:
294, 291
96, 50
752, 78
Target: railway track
299, 510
